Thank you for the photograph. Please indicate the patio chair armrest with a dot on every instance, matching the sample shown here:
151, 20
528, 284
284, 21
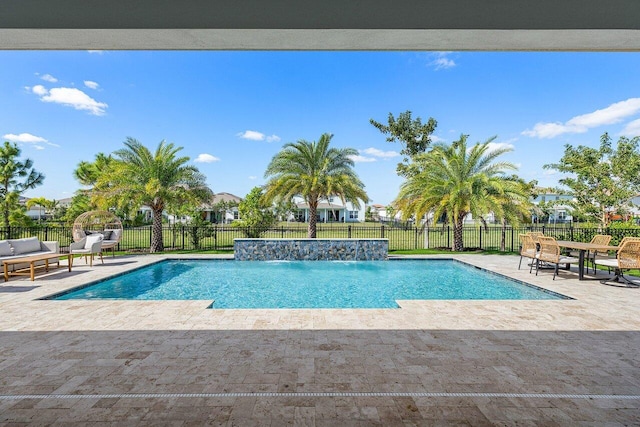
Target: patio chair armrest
96, 247
53, 246
78, 245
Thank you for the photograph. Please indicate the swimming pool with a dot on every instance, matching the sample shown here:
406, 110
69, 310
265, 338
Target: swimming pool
308, 284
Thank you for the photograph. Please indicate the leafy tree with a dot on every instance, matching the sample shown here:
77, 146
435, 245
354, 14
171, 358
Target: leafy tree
256, 214
368, 214
390, 211
160, 180
199, 228
602, 180
455, 181
16, 177
314, 171
283, 209
80, 203
412, 134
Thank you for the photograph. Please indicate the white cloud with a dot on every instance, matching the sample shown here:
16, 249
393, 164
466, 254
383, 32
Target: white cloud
39, 90
379, 153
436, 139
253, 178
27, 138
493, 146
91, 85
632, 129
206, 158
98, 52
71, 97
252, 135
48, 78
614, 113
362, 159
442, 61
549, 172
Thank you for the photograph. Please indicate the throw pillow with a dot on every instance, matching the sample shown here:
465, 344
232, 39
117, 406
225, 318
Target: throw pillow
91, 240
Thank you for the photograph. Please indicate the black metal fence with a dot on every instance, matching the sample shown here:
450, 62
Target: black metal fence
401, 237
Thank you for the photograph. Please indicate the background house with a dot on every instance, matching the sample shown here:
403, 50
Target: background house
330, 210
553, 208
38, 213
222, 208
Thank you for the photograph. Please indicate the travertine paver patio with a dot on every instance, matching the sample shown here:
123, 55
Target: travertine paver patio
514, 362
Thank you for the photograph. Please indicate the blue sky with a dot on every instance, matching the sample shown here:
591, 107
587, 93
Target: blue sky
232, 111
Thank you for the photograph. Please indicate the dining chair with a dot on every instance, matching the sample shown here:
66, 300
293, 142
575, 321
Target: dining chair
550, 253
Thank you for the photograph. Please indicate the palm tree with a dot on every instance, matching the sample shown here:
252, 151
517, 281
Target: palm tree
43, 204
314, 171
87, 173
516, 204
455, 181
158, 180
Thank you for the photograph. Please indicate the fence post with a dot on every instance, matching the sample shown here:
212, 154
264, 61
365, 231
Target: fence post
480, 237
382, 232
415, 240
282, 233
511, 239
183, 237
46, 233
449, 236
571, 231
348, 231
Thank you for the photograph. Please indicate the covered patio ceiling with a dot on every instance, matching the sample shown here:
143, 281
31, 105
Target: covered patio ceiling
547, 25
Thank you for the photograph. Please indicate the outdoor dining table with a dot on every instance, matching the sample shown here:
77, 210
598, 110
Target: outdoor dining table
583, 247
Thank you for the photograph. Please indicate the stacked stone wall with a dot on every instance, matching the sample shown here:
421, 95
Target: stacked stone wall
311, 249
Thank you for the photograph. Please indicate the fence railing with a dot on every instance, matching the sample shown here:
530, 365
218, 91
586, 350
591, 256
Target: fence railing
138, 239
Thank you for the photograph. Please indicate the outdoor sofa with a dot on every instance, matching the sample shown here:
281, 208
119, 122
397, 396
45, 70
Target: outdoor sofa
22, 248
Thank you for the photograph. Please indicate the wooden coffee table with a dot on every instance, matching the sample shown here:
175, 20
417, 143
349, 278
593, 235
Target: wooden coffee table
31, 260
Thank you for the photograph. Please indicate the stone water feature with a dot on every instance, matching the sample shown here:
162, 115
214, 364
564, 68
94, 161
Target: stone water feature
311, 249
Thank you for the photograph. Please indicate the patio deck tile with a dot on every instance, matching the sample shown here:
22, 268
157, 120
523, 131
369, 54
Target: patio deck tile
130, 349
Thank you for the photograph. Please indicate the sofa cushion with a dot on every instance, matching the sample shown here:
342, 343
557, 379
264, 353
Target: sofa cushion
106, 234
5, 248
92, 239
23, 246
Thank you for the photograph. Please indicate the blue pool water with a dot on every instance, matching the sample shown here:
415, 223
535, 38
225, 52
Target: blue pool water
308, 284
